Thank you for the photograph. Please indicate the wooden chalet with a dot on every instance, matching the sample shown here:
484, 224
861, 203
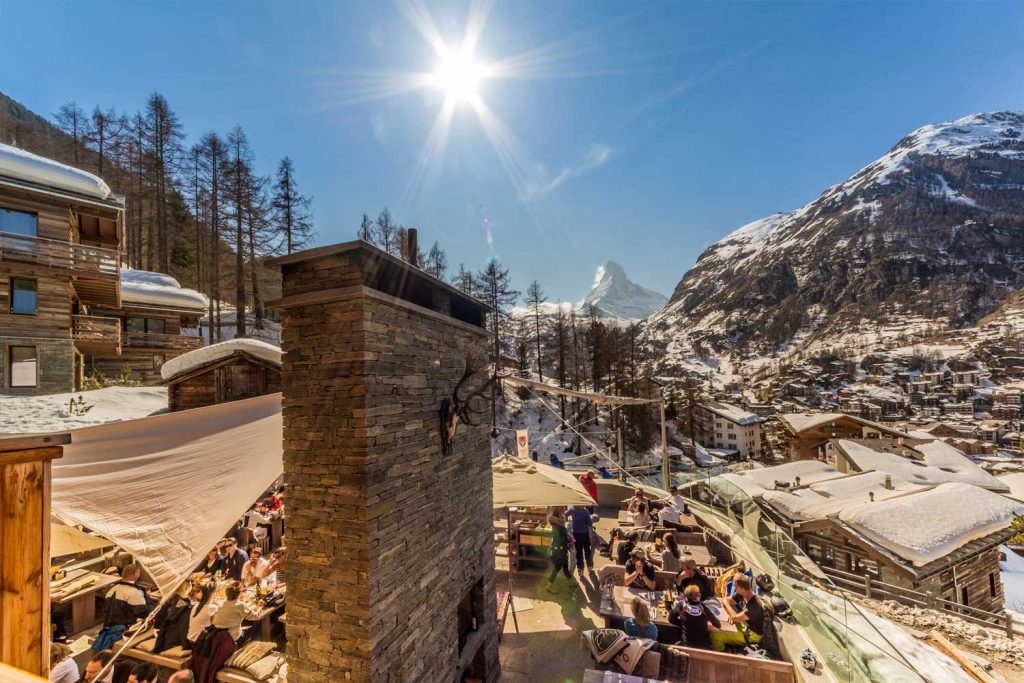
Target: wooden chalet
60, 246
805, 435
228, 371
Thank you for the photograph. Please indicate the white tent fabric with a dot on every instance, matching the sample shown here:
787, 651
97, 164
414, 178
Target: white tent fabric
167, 488
603, 399
520, 482
67, 540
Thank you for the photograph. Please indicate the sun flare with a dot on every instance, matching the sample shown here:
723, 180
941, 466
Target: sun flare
458, 75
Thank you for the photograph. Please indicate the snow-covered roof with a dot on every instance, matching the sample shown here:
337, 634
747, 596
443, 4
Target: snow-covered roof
801, 422
756, 481
825, 498
143, 287
21, 165
927, 526
188, 362
941, 464
1015, 481
733, 413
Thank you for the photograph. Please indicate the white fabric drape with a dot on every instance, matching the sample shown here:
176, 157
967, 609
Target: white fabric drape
167, 488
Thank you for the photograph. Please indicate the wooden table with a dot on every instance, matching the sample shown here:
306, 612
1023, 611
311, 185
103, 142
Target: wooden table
698, 553
83, 600
615, 608
263, 618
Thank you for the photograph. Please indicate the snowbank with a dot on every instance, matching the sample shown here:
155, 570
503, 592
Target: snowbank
756, 482
187, 362
157, 289
1015, 480
927, 526
33, 414
829, 497
933, 665
942, 464
1012, 573
21, 165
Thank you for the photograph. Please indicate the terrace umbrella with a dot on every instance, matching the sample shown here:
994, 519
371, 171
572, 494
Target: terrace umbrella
520, 482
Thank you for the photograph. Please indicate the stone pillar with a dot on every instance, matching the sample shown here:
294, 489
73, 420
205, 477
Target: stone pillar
386, 535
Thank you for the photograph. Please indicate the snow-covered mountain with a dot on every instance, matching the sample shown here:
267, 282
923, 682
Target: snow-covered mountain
932, 232
615, 296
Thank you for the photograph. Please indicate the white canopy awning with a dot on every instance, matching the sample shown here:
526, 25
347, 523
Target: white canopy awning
167, 488
520, 482
67, 540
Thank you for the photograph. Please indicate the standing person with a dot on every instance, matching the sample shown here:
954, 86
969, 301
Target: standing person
749, 620
694, 619
640, 625
234, 559
559, 549
639, 572
582, 523
671, 558
638, 507
587, 480
62, 667
125, 603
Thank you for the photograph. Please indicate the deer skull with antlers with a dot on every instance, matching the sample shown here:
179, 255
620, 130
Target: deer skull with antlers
464, 408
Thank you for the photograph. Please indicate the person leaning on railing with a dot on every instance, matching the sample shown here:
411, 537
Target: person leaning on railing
749, 621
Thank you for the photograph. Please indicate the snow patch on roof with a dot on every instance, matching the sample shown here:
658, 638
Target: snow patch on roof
187, 362
825, 498
941, 464
157, 289
733, 413
21, 165
929, 525
757, 481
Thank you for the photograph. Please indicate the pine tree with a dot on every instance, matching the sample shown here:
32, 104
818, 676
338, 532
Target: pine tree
366, 229
239, 179
535, 297
291, 209
436, 262
214, 158
162, 136
465, 280
386, 232
73, 121
495, 287
104, 133
560, 336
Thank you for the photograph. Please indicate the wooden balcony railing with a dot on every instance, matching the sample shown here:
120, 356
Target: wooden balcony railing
95, 332
154, 340
80, 258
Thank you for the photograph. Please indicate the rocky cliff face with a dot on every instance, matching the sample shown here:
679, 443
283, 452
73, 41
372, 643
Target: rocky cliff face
932, 230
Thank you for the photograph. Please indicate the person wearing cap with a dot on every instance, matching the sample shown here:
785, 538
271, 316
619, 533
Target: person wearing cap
639, 572
692, 575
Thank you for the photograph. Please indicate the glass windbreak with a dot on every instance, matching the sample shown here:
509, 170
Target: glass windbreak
17, 222
851, 645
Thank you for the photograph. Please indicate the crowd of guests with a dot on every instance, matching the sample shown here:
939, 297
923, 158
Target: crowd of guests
100, 670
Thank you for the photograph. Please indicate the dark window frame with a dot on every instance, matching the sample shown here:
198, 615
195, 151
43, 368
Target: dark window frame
9, 361
10, 293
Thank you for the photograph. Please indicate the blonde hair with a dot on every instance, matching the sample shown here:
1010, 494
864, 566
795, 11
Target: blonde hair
692, 592
58, 653
641, 612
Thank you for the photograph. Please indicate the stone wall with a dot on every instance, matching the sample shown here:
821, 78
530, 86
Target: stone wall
55, 366
385, 534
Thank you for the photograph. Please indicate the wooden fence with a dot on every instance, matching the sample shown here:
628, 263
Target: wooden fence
878, 590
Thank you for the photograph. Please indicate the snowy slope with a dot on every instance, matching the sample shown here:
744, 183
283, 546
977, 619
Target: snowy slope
616, 296
21, 165
33, 414
930, 233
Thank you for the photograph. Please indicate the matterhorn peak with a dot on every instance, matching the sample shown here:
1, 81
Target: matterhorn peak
615, 296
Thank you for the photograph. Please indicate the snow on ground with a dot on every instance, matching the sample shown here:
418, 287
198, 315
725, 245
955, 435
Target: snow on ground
34, 414
187, 362
270, 332
1012, 573
929, 662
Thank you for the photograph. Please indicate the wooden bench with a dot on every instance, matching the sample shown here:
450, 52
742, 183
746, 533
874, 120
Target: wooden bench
229, 675
162, 660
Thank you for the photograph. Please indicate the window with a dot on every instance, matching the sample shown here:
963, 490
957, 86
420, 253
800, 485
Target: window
22, 362
23, 296
146, 325
155, 325
17, 222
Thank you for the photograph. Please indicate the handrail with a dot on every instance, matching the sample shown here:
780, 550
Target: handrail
59, 254
162, 340
97, 329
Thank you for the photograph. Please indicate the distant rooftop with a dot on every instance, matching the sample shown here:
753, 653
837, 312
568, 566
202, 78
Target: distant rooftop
732, 413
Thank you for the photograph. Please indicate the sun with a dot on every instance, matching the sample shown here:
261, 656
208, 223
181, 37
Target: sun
458, 75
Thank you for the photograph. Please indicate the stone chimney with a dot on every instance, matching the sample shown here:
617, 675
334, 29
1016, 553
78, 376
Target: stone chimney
390, 542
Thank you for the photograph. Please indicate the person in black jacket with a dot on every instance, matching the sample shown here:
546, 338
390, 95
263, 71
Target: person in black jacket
694, 619
626, 548
234, 559
692, 575
126, 601
172, 624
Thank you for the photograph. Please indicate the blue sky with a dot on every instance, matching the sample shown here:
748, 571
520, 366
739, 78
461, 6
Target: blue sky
640, 132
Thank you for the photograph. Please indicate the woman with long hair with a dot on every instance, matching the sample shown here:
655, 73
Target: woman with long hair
638, 507
640, 624
62, 667
671, 558
201, 612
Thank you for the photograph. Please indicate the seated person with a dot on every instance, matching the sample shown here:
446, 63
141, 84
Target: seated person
124, 604
232, 613
605, 474
118, 673
640, 625
553, 459
639, 572
253, 568
692, 575
626, 548
638, 508
694, 619
674, 500
749, 620
671, 556
668, 516
730, 586
62, 667
201, 610
214, 561
273, 573
144, 672
234, 559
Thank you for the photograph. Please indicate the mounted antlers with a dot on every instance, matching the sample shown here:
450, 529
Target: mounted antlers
467, 408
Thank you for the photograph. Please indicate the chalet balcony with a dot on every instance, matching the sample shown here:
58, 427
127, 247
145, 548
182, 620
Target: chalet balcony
154, 340
95, 271
93, 334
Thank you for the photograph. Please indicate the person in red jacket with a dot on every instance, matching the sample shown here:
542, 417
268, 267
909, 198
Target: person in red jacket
587, 479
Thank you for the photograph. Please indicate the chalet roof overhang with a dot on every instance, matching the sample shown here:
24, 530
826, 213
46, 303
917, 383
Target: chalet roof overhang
226, 360
114, 202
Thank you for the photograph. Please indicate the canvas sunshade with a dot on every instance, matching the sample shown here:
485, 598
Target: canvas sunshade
167, 488
67, 540
520, 482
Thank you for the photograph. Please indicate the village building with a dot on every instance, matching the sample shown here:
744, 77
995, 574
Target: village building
229, 371
727, 426
804, 435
